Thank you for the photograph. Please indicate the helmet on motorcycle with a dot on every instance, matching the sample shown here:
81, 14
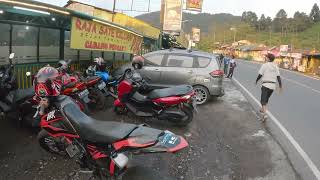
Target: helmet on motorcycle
137, 62
63, 65
47, 82
99, 61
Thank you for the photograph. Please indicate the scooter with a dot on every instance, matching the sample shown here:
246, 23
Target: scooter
13, 101
176, 104
100, 146
111, 84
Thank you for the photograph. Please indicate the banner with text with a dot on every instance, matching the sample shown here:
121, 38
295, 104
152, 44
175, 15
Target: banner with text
93, 35
171, 16
195, 34
194, 5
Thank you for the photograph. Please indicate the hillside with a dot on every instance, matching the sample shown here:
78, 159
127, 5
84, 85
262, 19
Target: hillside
204, 21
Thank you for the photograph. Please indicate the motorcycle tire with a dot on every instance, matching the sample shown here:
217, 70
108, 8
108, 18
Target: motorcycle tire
56, 147
185, 120
99, 98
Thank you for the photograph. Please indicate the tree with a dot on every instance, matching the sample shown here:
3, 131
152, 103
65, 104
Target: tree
251, 18
282, 14
300, 22
262, 23
280, 21
315, 13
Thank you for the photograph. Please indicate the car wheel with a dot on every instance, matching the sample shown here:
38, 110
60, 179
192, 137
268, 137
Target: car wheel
202, 94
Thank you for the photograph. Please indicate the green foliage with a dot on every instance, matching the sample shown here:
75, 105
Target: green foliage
315, 13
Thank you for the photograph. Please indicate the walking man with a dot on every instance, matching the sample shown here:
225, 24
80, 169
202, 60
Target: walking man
270, 74
232, 65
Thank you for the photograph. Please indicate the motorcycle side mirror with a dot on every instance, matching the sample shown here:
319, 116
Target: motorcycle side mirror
28, 74
11, 56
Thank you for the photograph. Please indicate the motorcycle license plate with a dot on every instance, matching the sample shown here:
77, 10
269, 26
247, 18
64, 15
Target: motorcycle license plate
169, 139
72, 150
102, 85
83, 93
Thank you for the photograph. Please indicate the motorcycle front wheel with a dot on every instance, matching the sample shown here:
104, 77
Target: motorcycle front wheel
51, 144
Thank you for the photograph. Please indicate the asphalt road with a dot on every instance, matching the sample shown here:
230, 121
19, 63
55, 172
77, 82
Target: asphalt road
226, 142
297, 107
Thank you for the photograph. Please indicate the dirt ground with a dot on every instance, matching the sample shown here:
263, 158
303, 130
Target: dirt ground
226, 142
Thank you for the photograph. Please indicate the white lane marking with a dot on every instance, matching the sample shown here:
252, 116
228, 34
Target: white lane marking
301, 84
293, 72
303, 154
293, 81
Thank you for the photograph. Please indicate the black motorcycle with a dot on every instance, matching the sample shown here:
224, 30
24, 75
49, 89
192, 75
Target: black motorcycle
14, 102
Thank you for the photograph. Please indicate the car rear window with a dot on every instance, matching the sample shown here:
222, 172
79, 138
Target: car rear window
203, 62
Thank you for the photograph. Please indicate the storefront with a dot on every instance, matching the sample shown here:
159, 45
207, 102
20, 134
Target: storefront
39, 34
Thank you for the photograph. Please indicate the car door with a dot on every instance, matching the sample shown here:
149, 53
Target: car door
151, 70
178, 69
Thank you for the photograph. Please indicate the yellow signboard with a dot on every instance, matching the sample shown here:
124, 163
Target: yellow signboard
94, 35
137, 25
105, 15
194, 5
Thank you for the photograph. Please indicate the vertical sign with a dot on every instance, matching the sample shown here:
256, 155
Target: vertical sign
171, 16
194, 5
195, 34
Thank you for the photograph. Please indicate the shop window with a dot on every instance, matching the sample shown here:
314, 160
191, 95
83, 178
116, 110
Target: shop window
24, 43
68, 52
4, 43
85, 55
108, 55
96, 54
49, 44
119, 56
127, 57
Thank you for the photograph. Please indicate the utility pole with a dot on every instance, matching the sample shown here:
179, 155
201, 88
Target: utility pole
270, 36
114, 9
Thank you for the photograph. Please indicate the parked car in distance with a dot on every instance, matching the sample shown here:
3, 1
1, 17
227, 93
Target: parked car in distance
173, 67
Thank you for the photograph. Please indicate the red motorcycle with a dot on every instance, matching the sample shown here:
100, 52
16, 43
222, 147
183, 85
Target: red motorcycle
100, 145
175, 104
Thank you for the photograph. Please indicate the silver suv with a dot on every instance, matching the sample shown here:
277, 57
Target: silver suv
167, 68
202, 70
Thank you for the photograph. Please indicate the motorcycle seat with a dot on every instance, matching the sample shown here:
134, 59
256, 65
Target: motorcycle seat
96, 131
172, 91
22, 94
140, 98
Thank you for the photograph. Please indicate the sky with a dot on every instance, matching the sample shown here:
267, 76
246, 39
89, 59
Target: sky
235, 7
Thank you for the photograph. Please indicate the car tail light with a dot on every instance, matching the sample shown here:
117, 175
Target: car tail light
217, 73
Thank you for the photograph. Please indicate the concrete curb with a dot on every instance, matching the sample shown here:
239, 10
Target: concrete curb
300, 161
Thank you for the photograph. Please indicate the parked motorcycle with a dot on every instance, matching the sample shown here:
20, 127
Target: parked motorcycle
175, 104
100, 146
100, 71
94, 84
13, 101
